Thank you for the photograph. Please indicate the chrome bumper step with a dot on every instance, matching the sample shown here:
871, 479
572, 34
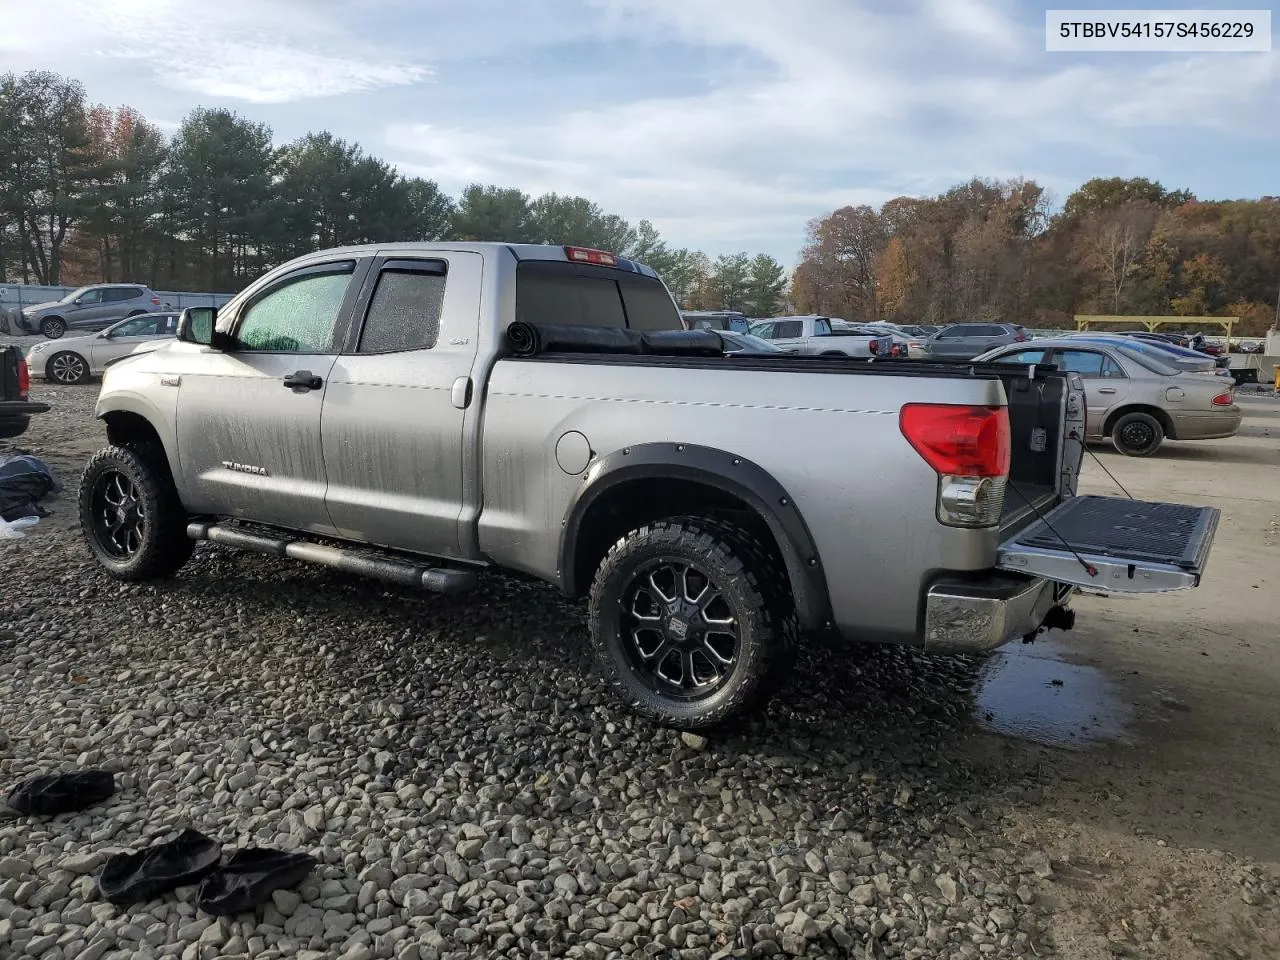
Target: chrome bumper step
361, 561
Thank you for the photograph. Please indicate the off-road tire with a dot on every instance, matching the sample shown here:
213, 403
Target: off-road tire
163, 546
1126, 426
751, 582
53, 327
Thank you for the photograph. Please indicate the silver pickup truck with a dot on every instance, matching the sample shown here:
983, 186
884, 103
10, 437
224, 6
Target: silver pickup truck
815, 336
425, 412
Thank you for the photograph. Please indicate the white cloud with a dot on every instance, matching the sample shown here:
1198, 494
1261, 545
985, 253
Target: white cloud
978, 22
258, 52
723, 121
873, 101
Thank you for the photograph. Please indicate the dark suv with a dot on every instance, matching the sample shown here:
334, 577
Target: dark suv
88, 308
964, 341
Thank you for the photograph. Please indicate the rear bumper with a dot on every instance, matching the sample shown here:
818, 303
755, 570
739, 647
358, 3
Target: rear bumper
970, 616
1207, 426
15, 324
21, 408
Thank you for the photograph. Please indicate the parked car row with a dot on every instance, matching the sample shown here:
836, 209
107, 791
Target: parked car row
88, 308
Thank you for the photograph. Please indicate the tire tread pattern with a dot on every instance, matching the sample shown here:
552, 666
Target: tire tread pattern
760, 582
167, 545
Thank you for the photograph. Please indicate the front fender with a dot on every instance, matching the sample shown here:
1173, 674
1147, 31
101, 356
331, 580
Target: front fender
158, 409
722, 471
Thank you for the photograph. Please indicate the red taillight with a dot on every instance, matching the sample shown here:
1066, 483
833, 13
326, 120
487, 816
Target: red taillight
1020, 338
1224, 399
155, 301
957, 440
587, 255
873, 345
24, 379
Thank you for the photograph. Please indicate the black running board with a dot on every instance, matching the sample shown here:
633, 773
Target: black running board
357, 560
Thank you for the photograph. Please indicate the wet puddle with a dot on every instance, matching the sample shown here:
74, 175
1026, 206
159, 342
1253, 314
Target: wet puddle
1027, 690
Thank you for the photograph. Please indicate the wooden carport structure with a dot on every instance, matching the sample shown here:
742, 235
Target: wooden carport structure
1152, 324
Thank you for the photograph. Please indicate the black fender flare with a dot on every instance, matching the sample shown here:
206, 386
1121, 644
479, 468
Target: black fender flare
723, 471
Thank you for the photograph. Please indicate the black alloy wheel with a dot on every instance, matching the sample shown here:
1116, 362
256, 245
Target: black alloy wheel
683, 634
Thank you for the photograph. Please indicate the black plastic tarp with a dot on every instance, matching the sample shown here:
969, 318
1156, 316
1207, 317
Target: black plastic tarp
249, 878
161, 867
24, 482
529, 339
52, 794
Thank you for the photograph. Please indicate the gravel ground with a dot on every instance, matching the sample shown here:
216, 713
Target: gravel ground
470, 788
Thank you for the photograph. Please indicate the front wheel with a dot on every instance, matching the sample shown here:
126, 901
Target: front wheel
67, 367
53, 327
685, 622
130, 514
1137, 434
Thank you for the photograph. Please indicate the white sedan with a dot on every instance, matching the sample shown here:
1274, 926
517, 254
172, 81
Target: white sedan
76, 359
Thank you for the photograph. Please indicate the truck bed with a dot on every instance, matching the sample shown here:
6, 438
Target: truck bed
859, 487
1036, 396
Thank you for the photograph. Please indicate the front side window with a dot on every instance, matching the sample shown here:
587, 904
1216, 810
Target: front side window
404, 312
88, 297
1088, 364
137, 327
297, 315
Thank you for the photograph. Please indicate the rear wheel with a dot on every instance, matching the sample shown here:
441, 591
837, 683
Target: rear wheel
67, 367
53, 327
688, 622
130, 514
1137, 434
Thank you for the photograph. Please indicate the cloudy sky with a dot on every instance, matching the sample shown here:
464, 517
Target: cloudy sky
729, 123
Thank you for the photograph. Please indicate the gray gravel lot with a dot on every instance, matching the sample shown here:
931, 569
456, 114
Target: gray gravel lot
469, 787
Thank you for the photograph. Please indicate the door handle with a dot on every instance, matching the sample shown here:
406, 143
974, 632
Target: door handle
1106, 389
303, 380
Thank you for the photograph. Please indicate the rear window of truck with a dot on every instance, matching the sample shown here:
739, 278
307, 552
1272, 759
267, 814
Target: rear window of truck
575, 294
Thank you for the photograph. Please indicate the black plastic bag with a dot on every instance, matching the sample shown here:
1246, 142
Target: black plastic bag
165, 866
57, 793
249, 878
24, 481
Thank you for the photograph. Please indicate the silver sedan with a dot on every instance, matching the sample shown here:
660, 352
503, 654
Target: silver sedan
76, 359
1134, 397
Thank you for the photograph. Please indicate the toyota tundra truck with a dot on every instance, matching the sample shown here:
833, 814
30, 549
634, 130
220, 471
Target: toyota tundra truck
426, 413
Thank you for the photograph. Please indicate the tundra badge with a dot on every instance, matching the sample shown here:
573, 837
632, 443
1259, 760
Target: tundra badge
245, 468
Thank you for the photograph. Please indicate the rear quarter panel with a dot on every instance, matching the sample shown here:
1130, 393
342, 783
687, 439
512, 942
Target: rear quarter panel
832, 441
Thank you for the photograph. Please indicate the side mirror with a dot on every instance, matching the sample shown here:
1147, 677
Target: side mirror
78, 301
195, 325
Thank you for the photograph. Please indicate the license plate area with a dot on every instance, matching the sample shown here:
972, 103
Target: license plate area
1131, 546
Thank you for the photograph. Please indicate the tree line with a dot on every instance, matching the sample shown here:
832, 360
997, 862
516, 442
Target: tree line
90, 193
994, 250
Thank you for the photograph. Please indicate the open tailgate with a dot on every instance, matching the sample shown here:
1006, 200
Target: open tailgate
1115, 545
